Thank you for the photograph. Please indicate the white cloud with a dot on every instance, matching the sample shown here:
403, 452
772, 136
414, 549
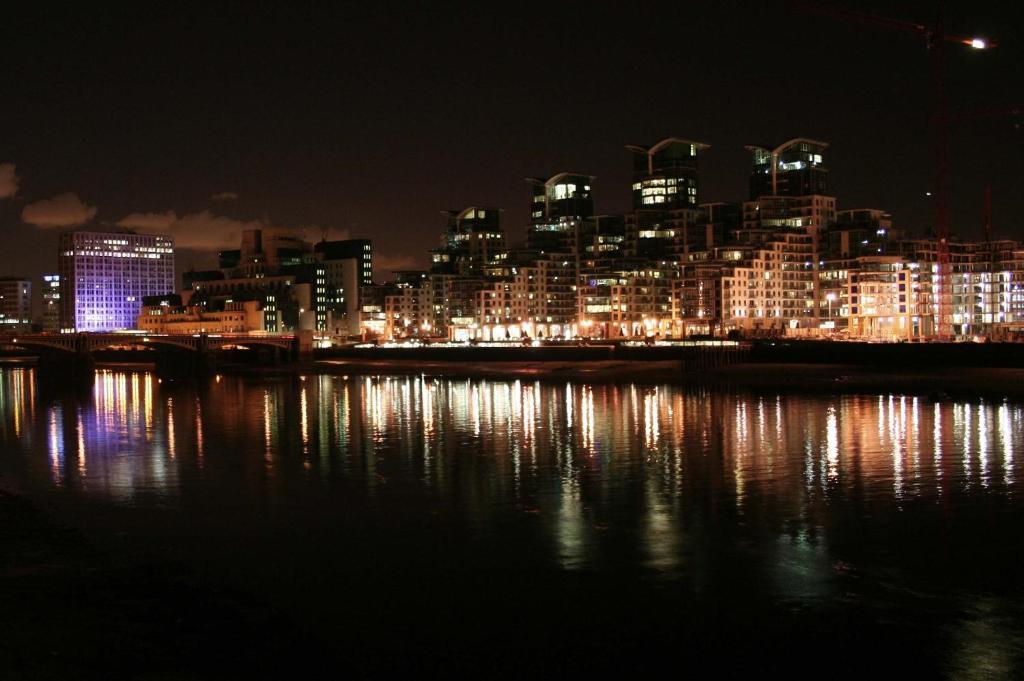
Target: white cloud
8, 180
64, 210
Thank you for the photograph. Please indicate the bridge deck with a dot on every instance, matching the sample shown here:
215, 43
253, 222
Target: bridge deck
90, 342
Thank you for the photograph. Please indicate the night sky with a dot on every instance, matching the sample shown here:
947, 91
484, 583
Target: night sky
367, 120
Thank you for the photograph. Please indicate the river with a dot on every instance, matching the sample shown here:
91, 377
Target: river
418, 523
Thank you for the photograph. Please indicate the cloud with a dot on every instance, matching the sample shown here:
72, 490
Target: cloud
64, 210
8, 180
149, 221
202, 231
225, 196
390, 263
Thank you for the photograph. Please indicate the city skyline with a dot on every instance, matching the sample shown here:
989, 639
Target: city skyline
572, 339
387, 177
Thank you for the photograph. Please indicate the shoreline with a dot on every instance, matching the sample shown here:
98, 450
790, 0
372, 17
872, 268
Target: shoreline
777, 377
787, 377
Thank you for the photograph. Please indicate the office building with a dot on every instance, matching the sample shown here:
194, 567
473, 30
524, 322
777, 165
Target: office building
348, 267
289, 279
169, 314
51, 303
105, 275
15, 304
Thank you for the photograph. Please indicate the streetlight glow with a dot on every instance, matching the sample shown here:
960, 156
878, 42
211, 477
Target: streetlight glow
977, 43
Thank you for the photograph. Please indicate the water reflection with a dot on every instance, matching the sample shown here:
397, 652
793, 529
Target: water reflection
571, 456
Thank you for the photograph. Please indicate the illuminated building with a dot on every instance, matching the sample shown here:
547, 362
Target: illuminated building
537, 300
697, 296
784, 262
348, 267
772, 287
105, 275
794, 168
167, 314
284, 274
987, 288
862, 231
665, 174
372, 317
407, 306
15, 304
889, 298
558, 207
665, 219
472, 242
769, 214
641, 301
51, 303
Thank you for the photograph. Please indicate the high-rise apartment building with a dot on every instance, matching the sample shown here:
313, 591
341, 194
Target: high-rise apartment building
105, 275
794, 168
665, 221
472, 243
558, 207
665, 174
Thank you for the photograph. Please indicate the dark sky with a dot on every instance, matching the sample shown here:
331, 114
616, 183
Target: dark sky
369, 119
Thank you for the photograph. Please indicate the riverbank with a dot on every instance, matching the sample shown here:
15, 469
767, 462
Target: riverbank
932, 383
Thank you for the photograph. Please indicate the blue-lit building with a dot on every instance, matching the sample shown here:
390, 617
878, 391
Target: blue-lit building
105, 275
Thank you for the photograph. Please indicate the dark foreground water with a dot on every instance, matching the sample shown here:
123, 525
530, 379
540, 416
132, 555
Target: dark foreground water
471, 527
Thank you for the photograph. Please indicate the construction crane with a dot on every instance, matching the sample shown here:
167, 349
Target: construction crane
936, 40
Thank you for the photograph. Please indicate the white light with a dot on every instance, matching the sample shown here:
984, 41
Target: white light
978, 44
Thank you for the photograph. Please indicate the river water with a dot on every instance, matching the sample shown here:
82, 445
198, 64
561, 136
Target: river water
419, 523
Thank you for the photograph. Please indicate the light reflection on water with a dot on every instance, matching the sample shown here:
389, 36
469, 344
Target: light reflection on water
580, 447
783, 495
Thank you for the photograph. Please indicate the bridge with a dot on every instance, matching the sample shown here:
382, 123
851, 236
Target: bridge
176, 353
87, 343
